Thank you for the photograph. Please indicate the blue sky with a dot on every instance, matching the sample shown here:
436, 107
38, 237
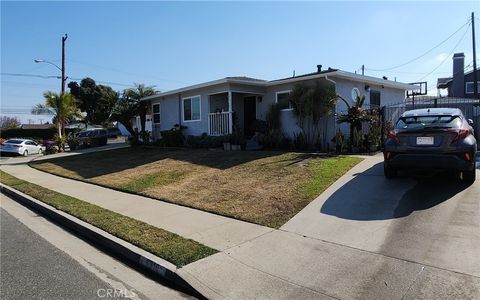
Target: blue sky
173, 44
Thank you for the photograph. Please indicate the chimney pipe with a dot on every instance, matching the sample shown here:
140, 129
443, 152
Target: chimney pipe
319, 68
458, 84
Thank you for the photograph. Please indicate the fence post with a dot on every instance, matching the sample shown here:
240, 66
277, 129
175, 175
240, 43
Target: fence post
382, 130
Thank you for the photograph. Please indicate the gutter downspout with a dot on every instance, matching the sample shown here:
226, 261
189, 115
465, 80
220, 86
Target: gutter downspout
180, 110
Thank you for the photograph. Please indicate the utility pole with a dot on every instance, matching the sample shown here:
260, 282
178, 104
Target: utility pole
64, 38
475, 82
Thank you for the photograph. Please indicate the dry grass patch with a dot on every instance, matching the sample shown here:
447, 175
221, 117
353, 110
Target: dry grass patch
263, 187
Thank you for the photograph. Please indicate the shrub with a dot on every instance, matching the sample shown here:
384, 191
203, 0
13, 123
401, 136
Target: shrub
171, 138
43, 134
205, 141
73, 141
274, 139
259, 126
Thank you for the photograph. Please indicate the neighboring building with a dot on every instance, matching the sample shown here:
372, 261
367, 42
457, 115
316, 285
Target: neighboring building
221, 106
460, 85
37, 126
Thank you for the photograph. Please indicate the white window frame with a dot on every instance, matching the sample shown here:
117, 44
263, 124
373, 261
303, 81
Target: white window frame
289, 103
159, 114
473, 90
200, 107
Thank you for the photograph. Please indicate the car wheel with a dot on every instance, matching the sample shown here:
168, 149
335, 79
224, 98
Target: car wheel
40, 151
469, 176
389, 172
25, 153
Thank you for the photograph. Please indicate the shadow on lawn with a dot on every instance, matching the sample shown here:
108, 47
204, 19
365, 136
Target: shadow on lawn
91, 165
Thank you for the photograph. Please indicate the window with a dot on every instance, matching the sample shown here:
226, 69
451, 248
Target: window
469, 87
156, 113
191, 108
283, 100
375, 98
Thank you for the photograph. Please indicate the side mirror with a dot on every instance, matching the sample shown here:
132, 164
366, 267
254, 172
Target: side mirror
470, 121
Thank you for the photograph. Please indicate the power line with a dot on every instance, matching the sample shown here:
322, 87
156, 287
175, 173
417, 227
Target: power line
425, 53
30, 75
446, 57
58, 77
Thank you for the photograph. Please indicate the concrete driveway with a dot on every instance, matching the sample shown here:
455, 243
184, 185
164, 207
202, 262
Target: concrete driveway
433, 221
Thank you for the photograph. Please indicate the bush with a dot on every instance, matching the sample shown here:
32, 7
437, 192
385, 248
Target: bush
42, 134
259, 126
205, 141
73, 141
171, 138
274, 139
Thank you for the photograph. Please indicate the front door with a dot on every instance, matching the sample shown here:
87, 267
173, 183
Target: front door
249, 114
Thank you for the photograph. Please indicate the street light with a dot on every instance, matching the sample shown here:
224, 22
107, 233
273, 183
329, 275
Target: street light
47, 62
62, 69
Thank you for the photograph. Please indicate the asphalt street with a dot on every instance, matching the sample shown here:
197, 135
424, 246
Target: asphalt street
64, 267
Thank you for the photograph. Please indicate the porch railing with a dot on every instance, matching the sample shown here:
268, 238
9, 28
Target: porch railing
219, 123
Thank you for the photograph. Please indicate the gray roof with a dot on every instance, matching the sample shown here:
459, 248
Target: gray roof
245, 78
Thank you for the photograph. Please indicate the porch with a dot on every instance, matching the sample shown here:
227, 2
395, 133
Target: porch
230, 112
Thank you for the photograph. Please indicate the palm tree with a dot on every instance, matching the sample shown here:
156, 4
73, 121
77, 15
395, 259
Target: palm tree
137, 93
355, 115
62, 106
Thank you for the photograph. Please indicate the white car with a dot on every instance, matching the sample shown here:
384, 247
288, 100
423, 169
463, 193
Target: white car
21, 146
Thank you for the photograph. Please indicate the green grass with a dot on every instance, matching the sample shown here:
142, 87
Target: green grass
262, 187
151, 180
165, 244
325, 172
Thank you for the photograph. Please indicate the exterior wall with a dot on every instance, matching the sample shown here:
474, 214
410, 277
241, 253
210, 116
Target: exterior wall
171, 108
469, 78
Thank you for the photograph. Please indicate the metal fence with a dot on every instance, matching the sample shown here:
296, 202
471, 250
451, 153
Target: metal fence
469, 107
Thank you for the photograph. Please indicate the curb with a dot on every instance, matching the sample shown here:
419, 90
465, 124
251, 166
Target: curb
138, 257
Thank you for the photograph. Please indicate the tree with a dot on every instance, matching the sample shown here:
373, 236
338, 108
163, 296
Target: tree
355, 115
311, 105
63, 108
7, 122
123, 111
96, 100
136, 94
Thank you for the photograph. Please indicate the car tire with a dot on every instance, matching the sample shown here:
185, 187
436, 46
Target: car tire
389, 172
40, 151
469, 176
25, 153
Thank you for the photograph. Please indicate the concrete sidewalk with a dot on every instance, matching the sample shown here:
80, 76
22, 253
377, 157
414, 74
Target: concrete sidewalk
215, 231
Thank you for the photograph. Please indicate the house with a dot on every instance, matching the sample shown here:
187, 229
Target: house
219, 107
460, 85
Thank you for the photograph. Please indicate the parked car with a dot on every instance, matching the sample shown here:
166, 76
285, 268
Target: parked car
93, 137
431, 139
113, 132
21, 147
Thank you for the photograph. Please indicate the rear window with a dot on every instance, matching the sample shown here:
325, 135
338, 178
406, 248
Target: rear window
428, 121
14, 141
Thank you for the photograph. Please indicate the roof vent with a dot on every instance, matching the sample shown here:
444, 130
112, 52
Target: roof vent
319, 68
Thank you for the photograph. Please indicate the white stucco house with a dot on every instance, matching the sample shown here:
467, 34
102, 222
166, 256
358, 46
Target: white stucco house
217, 107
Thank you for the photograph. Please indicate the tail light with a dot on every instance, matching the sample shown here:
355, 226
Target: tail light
468, 156
462, 133
393, 136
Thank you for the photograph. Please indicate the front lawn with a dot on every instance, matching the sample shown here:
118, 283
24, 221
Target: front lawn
262, 187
